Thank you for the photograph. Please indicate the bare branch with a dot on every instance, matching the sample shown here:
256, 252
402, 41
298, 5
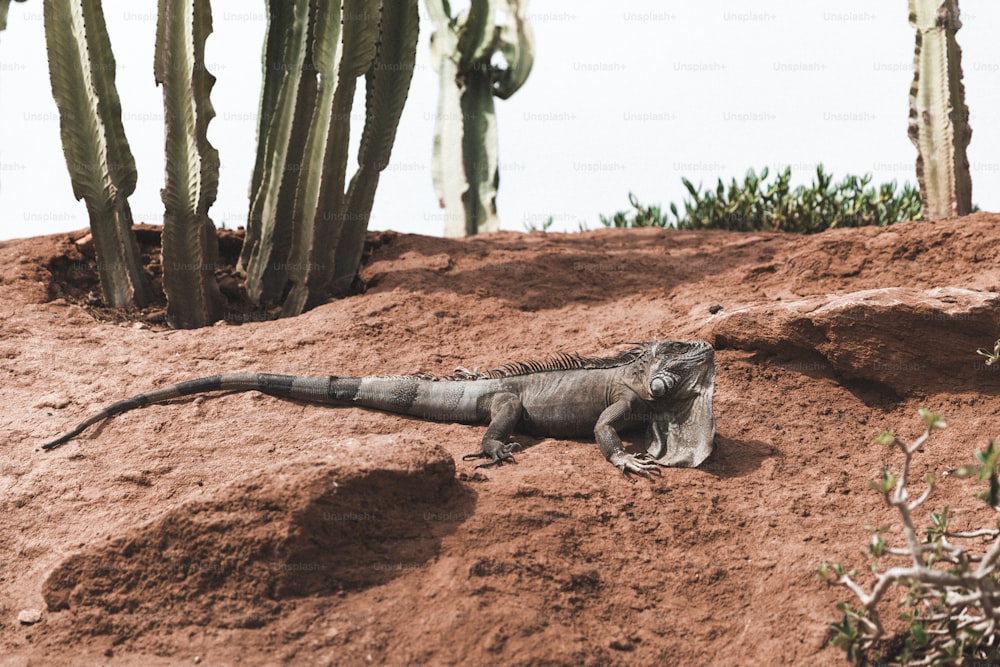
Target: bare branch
954, 608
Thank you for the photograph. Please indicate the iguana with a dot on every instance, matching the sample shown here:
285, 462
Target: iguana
663, 386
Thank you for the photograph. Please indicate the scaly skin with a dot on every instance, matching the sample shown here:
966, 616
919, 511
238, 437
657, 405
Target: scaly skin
664, 386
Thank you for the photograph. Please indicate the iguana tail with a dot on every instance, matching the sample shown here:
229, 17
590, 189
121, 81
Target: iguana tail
320, 389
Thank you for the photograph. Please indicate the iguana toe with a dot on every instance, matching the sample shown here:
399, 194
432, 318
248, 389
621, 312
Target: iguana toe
498, 453
639, 464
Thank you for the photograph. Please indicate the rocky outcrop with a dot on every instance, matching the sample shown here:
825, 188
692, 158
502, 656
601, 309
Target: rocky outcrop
903, 339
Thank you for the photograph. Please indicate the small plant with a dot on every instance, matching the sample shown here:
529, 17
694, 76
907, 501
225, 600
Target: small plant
951, 603
991, 357
532, 226
640, 216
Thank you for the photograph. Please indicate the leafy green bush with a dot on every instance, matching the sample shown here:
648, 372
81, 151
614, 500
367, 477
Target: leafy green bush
951, 602
756, 205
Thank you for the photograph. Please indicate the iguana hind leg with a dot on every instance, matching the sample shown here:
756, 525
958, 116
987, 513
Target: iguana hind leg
505, 413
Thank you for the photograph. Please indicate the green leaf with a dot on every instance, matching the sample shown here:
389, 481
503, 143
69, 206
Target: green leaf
918, 634
932, 419
886, 438
885, 484
991, 357
991, 496
988, 460
877, 546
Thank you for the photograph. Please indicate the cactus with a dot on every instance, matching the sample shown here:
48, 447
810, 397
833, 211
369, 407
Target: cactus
304, 233
939, 119
101, 167
4, 6
387, 85
465, 163
288, 89
190, 246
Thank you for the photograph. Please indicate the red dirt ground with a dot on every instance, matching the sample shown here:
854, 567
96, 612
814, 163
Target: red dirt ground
243, 529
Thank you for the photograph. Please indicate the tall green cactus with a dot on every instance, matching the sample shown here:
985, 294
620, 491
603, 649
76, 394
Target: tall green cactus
387, 84
190, 246
465, 161
939, 119
100, 163
287, 94
305, 233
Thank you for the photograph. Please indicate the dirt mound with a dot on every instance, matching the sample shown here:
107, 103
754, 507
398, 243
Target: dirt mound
295, 529
202, 528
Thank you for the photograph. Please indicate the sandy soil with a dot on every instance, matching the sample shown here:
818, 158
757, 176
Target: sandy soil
243, 529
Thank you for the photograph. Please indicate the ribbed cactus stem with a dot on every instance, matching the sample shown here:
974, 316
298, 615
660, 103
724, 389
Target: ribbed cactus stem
939, 118
190, 247
285, 109
305, 233
101, 167
387, 84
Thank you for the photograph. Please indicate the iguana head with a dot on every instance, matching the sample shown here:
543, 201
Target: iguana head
677, 367
680, 379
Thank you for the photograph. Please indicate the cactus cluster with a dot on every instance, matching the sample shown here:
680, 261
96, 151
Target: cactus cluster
305, 233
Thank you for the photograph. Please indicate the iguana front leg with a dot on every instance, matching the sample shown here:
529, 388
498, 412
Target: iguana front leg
505, 412
611, 445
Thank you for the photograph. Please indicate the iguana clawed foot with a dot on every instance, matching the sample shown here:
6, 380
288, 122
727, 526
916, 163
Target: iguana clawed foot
640, 464
498, 453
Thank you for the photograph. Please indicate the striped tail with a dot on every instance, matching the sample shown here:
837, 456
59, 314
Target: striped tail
319, 389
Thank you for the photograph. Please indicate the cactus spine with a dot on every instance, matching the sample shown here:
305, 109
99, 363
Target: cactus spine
190, 246
101, 167
465, 160
939, 119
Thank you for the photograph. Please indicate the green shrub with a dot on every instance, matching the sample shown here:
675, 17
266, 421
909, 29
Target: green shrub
756, 205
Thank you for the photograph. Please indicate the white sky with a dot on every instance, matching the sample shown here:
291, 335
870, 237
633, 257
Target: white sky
623, 97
